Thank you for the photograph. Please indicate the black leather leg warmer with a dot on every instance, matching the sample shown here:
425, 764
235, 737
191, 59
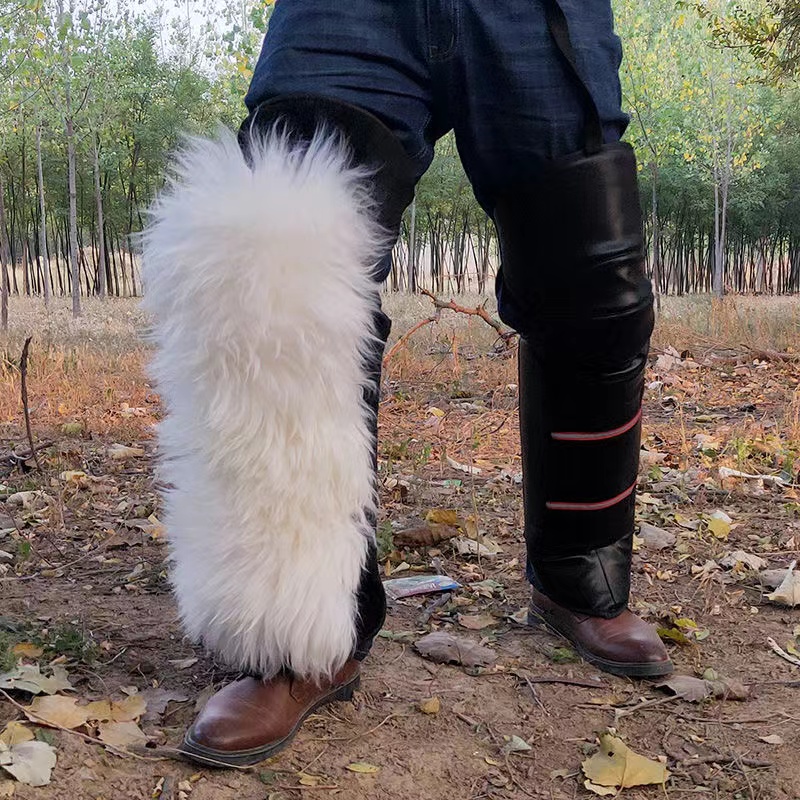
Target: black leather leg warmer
374, 147
573, 284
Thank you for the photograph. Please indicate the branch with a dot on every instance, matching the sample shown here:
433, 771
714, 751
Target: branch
23, 371
505, 334
407, 335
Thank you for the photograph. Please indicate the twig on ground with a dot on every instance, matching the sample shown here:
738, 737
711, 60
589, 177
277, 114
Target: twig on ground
358, 735
23, 373
406, 336
565, 681
506, 335
778, 650
721, 758
536, 696
626, 712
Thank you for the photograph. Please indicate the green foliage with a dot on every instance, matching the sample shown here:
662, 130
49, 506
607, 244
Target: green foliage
719, 147
70, 640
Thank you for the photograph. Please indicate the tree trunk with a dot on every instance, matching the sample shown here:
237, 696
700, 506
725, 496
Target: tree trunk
656, 244
73, 212
4, 258
101, 265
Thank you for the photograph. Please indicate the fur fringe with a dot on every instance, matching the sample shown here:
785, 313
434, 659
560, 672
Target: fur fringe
258, 277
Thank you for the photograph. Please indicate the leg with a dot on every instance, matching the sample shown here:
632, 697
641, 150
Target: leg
368, 54
262, 269
572, 283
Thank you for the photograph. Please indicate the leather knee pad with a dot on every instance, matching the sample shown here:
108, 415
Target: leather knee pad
572, 251
372, 144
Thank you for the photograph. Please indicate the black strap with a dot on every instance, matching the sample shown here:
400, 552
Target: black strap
559, 29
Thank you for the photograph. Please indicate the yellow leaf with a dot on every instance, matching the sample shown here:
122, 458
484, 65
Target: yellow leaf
99, 711
309, 780
14, 733
26, 650
363, 768
603, 791
443, 516
121, 734
129, 709
719, 527
617, 765
430, 706
57, 711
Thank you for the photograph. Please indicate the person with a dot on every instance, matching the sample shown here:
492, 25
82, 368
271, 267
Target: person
264, 258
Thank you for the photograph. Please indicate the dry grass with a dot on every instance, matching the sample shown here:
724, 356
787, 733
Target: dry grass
89, 371
736, 322
93, 370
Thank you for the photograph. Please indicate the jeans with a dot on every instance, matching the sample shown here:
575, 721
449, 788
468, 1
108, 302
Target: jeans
487, 69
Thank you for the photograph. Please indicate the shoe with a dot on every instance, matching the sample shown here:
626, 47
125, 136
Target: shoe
624, 645
251, 720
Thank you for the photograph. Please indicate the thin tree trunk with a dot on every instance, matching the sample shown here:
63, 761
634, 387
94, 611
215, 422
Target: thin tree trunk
73, 211
101, 265
4, 258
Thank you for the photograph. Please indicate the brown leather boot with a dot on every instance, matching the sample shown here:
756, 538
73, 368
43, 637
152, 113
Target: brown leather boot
623, 645
251, 720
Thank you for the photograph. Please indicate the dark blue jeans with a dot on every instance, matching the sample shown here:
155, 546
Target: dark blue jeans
487, 69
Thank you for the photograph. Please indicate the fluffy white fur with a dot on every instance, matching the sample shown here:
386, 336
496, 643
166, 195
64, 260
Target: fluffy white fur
258, 279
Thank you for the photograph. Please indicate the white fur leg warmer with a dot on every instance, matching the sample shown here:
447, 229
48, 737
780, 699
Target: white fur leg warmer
258, 279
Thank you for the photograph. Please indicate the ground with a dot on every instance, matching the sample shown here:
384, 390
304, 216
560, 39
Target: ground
84, 584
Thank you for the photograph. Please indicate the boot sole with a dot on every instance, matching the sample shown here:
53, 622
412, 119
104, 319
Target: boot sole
209, 757
625, 669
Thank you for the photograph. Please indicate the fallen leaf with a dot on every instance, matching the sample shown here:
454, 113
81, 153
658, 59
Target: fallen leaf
476, 622
184, 663
656, 538
430, 706
603, 791
772, 578
58, 711
30, 501
363, 768
749, 560
29, 678
16, 732
726, 473
443, 516
788, 593
773, 738
121, 734
719, 527
463, 467
129, 709
157, 701
444, 648
515, 744
617, 765
425, 536
30, 763
692, 689
99, 711
484, 547
304, 779
119, 452
27, 650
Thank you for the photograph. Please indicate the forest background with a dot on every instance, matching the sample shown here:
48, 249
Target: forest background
95, 95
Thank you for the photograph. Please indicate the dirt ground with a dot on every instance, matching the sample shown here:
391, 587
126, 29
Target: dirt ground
85, 584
